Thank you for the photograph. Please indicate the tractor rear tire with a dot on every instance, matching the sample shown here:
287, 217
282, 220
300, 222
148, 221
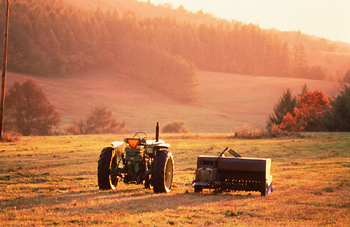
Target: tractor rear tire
162, 173
106, 178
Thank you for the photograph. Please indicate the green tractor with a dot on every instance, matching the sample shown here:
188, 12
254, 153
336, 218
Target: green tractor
137, 161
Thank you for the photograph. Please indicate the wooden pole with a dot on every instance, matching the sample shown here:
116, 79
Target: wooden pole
4, 65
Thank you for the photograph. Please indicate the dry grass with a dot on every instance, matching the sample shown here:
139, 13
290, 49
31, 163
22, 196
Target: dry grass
259, 133
52, 181
10, 137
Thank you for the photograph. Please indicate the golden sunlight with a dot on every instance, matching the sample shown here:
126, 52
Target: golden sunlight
323, 18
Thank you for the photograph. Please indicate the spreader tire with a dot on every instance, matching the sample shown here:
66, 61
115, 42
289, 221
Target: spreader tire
198, 188
162, 173
107, 161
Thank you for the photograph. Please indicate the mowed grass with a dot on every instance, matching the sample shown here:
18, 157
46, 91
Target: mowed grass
53, 181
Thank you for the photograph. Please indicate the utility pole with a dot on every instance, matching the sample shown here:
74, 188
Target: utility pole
4, 65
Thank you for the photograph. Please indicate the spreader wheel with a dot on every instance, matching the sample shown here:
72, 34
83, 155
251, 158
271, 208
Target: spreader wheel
198, 188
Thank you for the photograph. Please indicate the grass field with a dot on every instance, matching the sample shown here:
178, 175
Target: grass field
48, 181
225, 102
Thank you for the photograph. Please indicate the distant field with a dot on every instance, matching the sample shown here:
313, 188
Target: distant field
225, 103
52, 181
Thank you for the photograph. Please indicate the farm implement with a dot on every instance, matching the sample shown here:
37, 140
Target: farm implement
137, 160
233, 173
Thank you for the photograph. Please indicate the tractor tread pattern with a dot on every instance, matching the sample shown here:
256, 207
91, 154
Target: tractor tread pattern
103, 170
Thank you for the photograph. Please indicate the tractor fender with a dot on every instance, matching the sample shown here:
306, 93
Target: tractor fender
118, 147
163, 145
159, 143
116, 144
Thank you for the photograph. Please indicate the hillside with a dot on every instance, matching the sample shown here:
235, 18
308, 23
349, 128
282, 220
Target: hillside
145, 10
144, 66
57, 38
225, 102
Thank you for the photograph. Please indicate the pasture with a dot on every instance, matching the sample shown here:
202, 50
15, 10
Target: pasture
48, 181
225, 102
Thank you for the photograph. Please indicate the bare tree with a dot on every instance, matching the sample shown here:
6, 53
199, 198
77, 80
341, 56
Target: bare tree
175, 127
100, 121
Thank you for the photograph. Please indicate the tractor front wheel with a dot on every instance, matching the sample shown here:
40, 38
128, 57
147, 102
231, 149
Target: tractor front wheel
162, 173
107, 161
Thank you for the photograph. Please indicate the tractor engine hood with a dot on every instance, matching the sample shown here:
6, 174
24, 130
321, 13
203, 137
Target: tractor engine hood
149, 143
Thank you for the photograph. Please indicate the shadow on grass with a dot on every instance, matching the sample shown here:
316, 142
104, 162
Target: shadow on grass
130, 200
151, 202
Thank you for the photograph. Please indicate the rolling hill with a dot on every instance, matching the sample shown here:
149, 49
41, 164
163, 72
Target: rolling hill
225, 102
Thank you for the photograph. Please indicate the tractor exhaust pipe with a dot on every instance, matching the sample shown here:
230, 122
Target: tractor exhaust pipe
157, 132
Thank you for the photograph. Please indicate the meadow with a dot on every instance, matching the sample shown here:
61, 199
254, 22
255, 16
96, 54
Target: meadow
52, 181
225, 102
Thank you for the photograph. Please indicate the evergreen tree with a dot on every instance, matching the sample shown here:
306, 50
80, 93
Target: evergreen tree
338, 118
286, 104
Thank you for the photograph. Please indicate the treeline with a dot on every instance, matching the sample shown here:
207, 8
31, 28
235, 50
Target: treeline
311, 111
29, 112
51, 38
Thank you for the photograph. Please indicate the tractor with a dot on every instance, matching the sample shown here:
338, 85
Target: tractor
137, 160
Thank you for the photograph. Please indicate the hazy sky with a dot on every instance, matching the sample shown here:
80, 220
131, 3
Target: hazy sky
324, 18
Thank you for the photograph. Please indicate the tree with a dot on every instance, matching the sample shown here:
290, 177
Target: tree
347, 77
286, 104
28, 111
300, 61
338, 118
100, 121
77, 128
175, 127
307, 117
304, 90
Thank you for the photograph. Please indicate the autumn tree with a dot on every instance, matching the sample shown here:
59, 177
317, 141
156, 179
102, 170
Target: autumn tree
28, 111
100, 121
307, 117
286, 104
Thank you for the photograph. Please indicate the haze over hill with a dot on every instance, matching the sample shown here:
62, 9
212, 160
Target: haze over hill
225, 103
50, 38
154, 63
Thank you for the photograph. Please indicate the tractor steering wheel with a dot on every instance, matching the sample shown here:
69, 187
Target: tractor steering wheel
137, 134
